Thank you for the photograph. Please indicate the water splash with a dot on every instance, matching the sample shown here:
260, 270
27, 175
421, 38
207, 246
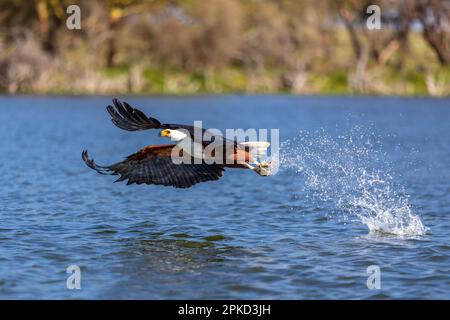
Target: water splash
350, 172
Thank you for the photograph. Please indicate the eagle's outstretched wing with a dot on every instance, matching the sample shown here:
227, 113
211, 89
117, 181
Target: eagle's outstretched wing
128, 118
153, 165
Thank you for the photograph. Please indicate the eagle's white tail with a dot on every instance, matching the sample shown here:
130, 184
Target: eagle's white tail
256, 148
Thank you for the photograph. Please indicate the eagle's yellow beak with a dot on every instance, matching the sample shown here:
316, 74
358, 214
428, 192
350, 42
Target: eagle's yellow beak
165, 133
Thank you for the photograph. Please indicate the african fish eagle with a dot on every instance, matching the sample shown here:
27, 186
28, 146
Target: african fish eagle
154, 165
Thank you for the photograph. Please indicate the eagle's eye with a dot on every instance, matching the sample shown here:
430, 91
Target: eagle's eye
165, 133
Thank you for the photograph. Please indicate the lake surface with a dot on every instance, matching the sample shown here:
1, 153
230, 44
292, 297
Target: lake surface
362, 182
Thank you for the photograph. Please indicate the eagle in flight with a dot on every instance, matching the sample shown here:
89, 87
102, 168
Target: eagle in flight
154, 164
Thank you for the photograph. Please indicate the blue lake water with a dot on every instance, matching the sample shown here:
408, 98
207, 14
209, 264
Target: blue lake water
362, 181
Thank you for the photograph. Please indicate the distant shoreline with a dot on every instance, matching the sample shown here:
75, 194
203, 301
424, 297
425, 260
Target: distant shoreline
145, 81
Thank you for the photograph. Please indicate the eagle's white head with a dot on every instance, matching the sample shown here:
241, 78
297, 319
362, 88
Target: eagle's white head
174, 135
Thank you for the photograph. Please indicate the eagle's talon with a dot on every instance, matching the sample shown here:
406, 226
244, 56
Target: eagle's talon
265, 164
262, 171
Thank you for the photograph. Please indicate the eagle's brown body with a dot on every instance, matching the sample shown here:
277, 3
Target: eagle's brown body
235, 159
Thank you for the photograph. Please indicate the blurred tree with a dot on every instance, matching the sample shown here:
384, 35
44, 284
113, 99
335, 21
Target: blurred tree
267, 41
197, 34
270, 44
434, 16
118, 11
47, 15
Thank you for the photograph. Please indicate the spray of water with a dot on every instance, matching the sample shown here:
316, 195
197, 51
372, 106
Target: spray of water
350, 174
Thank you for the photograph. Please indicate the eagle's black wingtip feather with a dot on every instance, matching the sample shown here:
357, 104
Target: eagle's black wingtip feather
91, 164
115, 102
126, 117
110, 110
84, 155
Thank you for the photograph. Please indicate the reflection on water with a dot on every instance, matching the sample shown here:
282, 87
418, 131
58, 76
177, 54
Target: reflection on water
182, 253
244, 236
